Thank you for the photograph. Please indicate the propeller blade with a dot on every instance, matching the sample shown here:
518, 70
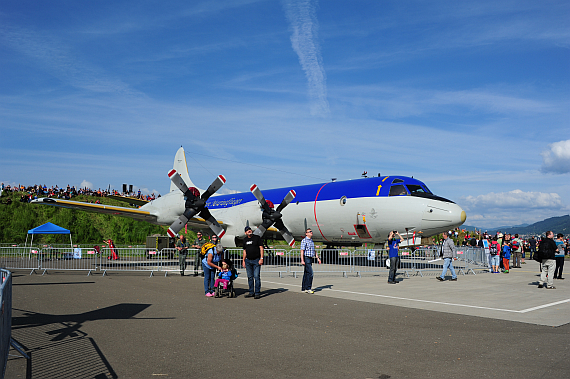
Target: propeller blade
286, 200
212, 223
259, 196
181, 221
177, 226
285, 233
261, 229
214, 187
177, 180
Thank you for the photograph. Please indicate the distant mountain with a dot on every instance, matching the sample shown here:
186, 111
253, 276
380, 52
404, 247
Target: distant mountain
556, 224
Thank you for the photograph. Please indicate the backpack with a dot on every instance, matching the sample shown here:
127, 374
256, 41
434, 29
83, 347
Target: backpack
515, 245
235, 274
540, 252
205, 247
493, 249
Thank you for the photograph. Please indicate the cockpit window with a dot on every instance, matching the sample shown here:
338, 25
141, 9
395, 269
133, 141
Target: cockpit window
414, 189
398, 190
397, 181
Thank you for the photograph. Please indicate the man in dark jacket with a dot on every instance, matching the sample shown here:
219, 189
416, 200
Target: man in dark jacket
547, 251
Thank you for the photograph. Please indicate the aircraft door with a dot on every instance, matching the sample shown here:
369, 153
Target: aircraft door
360, 226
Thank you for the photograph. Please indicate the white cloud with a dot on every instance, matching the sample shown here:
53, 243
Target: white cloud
515, 199
557, 158
511, 208
86, 184
304, 25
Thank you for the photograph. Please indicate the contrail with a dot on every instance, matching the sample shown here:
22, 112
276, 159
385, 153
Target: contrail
304, 25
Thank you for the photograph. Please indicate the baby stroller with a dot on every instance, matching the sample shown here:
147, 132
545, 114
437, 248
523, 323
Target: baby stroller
229, 290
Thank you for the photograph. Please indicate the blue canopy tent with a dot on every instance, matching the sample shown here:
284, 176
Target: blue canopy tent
48, 228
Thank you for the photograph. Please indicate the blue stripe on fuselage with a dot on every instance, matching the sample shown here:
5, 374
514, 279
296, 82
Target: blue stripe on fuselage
367, 187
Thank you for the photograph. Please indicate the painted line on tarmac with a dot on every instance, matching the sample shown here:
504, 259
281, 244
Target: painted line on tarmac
434, 302
544, 306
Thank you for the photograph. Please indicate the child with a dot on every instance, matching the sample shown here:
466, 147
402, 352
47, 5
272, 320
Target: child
494, 248
506, 257
224, 276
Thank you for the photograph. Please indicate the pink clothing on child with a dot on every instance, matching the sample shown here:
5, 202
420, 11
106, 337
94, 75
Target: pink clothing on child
223, 281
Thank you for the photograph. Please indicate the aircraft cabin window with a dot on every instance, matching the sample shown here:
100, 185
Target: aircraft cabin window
397, 181
398, 190
343, 200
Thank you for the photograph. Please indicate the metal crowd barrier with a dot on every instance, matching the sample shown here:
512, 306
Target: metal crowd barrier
281, 261
5, 318
6, 340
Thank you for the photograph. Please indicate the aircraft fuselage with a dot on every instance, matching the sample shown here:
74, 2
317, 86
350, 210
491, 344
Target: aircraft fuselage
343, 212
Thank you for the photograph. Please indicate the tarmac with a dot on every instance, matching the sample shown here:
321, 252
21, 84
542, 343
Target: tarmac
128, 325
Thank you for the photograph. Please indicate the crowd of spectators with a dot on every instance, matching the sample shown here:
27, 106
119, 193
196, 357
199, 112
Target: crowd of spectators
36, 191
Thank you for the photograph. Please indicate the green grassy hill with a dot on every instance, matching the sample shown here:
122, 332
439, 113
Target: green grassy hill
86, 227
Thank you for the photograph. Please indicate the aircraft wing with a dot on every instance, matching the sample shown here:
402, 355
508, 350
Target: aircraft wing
128, 199
137, 214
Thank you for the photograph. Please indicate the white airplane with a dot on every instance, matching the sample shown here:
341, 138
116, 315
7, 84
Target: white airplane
340, 213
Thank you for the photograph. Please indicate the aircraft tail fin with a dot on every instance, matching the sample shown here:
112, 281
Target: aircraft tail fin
181, 167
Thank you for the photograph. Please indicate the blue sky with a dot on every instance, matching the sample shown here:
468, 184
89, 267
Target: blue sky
473, 99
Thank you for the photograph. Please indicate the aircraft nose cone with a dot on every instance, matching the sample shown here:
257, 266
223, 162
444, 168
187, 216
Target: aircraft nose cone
458, 215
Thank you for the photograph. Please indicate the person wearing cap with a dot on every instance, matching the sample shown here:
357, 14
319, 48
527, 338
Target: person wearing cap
198, 257
252, 261
182, 246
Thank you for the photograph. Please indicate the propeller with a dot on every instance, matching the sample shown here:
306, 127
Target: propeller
273, 217
195, 204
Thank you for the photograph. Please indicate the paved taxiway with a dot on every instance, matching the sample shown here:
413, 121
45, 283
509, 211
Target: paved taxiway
132, 326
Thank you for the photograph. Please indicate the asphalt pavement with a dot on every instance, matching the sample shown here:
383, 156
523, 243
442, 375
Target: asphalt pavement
126, 325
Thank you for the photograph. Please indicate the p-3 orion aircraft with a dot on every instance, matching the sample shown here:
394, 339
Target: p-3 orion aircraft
340, 213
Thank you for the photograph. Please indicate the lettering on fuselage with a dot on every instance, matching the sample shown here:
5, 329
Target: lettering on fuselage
224, 203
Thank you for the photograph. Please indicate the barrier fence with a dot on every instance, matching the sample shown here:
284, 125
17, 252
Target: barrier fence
5, 318
284, 262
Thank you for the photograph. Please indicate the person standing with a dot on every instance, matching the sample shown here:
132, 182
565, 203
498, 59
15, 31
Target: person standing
308, 253
494, 249
547, 251
182, 246
210, 264
198, 257
394, 239
252, 261
484, 243
516, 250
532, 245
449, 255
559, 256
506, 256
